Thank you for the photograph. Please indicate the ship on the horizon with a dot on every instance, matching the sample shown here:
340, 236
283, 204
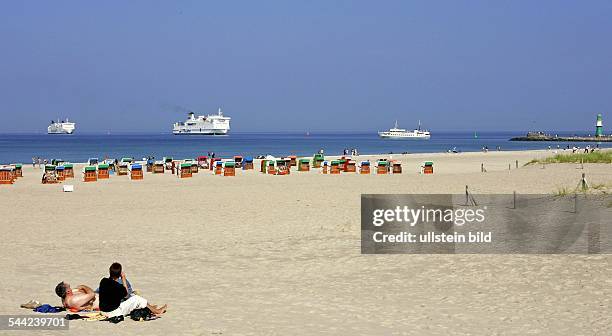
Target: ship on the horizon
212, 124
400, 133
61, 127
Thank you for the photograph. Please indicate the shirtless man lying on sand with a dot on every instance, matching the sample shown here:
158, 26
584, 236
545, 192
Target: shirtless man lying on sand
80, 298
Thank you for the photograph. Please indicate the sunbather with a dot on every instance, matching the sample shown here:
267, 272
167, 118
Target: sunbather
81, 298
112, 293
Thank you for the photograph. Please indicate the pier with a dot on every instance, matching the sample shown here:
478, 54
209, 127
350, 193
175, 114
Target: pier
540, 136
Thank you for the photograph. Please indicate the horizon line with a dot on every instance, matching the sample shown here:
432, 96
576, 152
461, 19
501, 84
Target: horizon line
30, 132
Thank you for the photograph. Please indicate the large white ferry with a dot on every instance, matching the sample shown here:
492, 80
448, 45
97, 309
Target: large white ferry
400, 133
212, 124
63, 127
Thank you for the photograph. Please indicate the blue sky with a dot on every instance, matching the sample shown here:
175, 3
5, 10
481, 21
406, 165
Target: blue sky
306, 65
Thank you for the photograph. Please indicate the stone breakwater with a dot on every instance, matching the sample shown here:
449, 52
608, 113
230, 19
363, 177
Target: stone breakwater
548, 137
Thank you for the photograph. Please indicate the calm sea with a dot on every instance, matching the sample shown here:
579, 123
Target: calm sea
80, 147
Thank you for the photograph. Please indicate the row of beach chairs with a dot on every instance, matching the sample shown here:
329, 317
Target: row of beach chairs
59, 170
102, 171
188, 167
278, 166
283, 166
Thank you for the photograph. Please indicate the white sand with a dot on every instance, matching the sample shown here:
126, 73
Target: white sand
279, 255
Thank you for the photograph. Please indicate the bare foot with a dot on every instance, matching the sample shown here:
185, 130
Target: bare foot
163, 308
158, 311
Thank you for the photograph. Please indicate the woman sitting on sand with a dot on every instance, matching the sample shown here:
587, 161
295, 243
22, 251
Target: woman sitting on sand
112, 293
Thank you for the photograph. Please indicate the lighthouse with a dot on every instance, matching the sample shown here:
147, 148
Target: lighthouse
599, 126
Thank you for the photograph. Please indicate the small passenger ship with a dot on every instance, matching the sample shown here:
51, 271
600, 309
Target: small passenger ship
400, 133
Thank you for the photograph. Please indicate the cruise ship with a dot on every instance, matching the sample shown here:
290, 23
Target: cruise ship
212, 124
63, 127
400, 133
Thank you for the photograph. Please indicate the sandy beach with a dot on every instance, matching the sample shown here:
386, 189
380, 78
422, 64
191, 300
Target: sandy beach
258, 254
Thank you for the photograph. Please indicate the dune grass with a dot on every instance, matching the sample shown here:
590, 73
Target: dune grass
599, 188
594, 157
564, 191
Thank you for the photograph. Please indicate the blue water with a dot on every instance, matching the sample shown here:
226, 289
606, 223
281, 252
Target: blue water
80, 147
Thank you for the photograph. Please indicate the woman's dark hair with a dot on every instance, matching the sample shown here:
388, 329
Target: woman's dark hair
115, 270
